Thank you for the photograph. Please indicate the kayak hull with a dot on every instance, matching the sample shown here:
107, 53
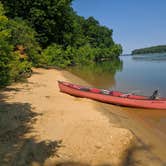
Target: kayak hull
121, 99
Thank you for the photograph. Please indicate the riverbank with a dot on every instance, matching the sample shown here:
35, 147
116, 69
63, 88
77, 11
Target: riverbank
41, 126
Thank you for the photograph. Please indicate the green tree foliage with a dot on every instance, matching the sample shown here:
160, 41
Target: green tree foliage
91, 43
56, 22
98, 36
11, 66
110, 53
6, 55
154, 49
5, 50
84, 55
24, 35
51, 18
50, 33
54, 55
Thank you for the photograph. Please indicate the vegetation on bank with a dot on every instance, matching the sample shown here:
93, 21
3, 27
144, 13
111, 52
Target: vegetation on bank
49, 33
154, 49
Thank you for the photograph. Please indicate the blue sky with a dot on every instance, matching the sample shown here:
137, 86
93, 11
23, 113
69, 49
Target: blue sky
135, 23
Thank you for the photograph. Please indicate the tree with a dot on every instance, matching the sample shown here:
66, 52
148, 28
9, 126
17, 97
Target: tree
12, 67
23, 35
50, 18
97, 35
54, 55
66, 38
5, 49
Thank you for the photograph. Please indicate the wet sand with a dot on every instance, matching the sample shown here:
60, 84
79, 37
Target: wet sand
150, 148
41, 126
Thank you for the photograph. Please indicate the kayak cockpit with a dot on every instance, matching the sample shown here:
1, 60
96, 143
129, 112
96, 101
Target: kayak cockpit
105, 91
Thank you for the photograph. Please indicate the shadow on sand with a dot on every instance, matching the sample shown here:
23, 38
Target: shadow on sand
141, 154
15, 148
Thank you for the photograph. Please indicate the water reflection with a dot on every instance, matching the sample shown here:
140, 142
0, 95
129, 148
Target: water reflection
140, 73
150, 57
100, 75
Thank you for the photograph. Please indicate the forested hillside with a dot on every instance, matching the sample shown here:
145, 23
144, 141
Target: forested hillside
49, 33
154, 49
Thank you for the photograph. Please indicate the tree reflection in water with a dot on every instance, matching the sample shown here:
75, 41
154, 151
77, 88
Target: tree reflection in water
101, 74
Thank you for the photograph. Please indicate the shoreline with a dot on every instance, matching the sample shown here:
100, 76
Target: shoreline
149, 146
42, 126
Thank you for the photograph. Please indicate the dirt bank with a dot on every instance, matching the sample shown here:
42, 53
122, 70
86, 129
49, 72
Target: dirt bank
41, 126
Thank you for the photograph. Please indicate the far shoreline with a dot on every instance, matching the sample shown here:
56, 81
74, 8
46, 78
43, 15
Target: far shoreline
150, 50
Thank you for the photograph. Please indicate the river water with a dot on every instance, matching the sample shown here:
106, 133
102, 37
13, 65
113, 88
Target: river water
141, 74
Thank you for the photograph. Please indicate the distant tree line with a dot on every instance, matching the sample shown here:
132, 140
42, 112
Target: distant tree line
154, 49
49, 33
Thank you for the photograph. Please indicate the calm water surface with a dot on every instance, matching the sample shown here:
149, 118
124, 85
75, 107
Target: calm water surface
142, 74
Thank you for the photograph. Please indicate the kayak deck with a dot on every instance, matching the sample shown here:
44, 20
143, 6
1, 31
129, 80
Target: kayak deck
112, 97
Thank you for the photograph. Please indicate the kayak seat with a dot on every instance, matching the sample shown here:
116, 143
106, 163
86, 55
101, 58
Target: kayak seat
84, 89
115, 93
106, 92
95, 90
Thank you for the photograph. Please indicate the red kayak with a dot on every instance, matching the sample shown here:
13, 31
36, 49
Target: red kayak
112, 97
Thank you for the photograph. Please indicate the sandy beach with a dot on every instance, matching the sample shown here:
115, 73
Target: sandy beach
41, 126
